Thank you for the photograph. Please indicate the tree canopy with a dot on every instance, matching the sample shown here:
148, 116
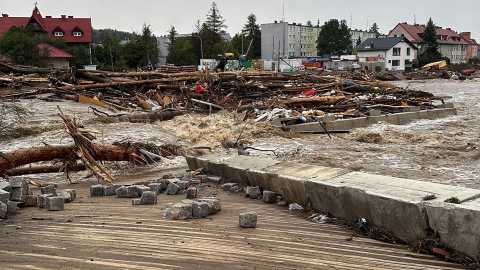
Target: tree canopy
430, 53
374, 28
215, 21
334, 38
251, 31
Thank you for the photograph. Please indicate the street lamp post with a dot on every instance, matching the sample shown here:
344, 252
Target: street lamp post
201, 50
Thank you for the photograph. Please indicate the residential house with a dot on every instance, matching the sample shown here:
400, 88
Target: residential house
73, 30
473, 46
363, 35
391, 53
451, 44
289, 40
56, 57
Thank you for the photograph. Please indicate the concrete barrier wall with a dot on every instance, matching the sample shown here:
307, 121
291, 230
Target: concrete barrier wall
409, 115
396, 204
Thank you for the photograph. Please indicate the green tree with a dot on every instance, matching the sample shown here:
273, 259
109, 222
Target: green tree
180, 52
210, 39
431, 52
215, 21
474, 60
109, 56
172, 34
81, 55
143, 51
252, 32
334, 38
374, 28
358, 41
21, 47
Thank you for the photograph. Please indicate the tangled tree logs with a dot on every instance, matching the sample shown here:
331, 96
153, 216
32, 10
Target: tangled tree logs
85, 150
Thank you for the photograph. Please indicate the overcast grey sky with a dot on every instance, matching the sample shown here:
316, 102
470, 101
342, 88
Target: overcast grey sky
128, 15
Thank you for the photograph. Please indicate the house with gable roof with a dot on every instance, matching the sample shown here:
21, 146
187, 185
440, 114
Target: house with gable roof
75, 31
394, 53
451, 44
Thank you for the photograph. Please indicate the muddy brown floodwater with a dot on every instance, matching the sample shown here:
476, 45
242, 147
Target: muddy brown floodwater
444, 150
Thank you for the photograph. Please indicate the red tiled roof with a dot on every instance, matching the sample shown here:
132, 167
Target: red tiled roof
54, 52
416, 31
48, 24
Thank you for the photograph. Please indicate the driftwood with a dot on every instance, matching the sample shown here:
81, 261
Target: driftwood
316, 100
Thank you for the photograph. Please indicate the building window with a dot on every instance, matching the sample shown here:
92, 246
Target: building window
395, 63
58, 34
77, 34
408, 51
396, 51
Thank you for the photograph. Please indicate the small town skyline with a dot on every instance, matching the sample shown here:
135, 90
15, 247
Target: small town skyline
158, 14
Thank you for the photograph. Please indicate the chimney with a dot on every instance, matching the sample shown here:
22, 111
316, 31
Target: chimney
404, 22
372, 45
4, 15
48, 17
70, 17
449, 29
466, 35
64, 16
423, 25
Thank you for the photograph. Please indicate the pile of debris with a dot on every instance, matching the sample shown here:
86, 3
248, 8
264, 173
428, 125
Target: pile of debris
157, 95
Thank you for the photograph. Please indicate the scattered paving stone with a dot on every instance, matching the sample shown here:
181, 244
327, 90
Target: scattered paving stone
73, 193
42, 200
48, 190
282, 204
127, 192
163, 184
248, 219
181, 211
67, 196
30, 200
254, 192
191, 193
279, 198
18, 194
269, 196
141, 189
183, 184
168, 176
149, 197
200, 209
96, 190
136, 201
234, 189
18, 182
109, 190
11, 208
155, 187
169, 205
228, 186
213, 179
172, 189
4, 185
3, 210
55, 204
4, 196
213, 204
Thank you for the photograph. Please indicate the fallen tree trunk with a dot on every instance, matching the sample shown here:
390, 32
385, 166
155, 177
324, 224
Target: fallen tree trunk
149, 116
317, 100
25, 156
45, 169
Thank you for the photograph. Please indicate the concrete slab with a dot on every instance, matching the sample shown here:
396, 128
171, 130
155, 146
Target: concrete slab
215, 160
237, 167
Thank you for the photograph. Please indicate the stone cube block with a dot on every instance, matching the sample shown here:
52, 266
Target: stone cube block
141, 189
109, 190
149, 197
181, 211
18, 194
127, 192
49, 190
254, 192
200, 209
183, 184
213, 179
67, 196
136, 201
228, 186
96, 190
191, 193
11, 208
248, 219
172, 189
42, 200
18, 182
213, 204
31, 200
155, 187
3, 210
269, 196
4, 196
55, 204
